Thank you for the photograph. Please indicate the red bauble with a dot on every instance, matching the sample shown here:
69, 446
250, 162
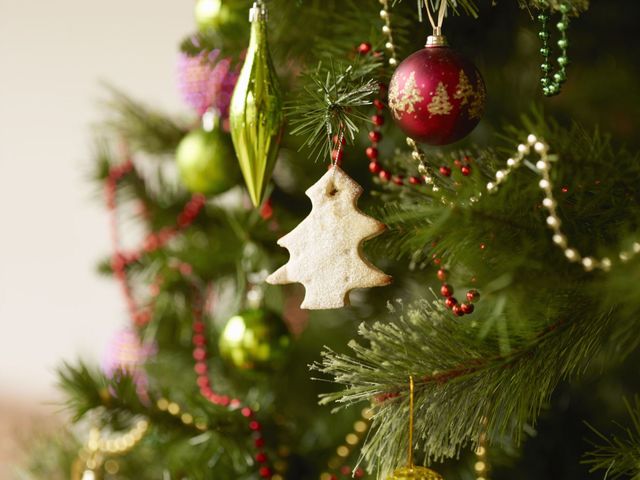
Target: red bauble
437, 96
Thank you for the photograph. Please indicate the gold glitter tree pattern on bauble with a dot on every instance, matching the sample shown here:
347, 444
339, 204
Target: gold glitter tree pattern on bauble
405, 100
477, 104
440, 104
464, 90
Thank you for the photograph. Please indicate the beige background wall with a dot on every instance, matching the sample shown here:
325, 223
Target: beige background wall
53, 54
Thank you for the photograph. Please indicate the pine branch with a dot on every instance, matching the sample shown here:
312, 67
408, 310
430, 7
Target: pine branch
618, 456
459, 380
331, 101
116, 400
468, 7
143, 128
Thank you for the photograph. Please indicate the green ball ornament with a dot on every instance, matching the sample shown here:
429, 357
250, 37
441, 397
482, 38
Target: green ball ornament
210, 13
215, 14
206, 161
255, 339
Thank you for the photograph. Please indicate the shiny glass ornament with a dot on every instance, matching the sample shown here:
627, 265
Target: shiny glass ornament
206, 161
256, 110
255, 339
436, 95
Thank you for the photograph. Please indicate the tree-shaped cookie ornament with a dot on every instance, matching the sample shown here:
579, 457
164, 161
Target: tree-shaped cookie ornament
326, 248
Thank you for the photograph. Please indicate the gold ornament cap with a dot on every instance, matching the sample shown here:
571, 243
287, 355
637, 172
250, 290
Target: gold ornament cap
436, 40
415, 473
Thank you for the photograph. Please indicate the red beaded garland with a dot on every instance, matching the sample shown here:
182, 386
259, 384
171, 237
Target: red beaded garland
377, 120
444, 170
446, 290
372, 153
206, 390
265, 472
450, 302
385, 175
261, 457
154, 241
473, 295
364, 48
467, 308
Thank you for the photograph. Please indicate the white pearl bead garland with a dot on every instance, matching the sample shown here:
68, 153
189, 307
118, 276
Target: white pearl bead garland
386, 29
543, 166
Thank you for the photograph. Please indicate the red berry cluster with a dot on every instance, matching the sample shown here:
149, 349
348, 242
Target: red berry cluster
202, 372
464, 166
446, 290
191, 210
116, 172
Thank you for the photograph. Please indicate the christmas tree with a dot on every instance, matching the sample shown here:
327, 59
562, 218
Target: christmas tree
505, 347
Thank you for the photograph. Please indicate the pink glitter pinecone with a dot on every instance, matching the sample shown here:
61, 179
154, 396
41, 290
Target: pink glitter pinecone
127, 354
207, 81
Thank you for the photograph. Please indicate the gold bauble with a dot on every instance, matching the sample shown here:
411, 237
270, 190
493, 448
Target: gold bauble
415, 473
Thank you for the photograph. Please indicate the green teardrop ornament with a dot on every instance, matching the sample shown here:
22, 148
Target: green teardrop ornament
256, 115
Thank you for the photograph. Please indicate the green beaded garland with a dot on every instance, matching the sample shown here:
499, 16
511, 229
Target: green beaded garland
552, 82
